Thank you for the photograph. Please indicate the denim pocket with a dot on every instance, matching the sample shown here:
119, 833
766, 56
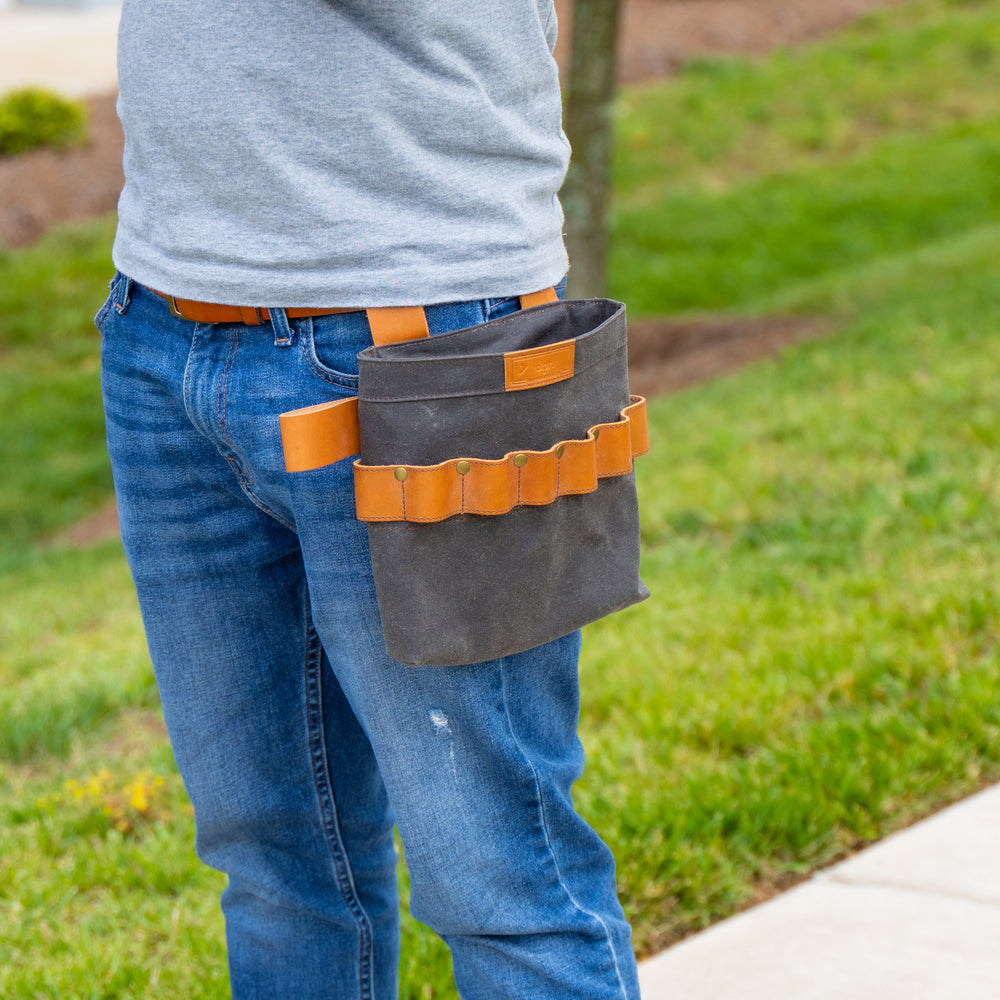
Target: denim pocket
332, 344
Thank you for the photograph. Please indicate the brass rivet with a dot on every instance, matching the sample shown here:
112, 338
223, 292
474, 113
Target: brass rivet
462, 468
520, 461
401, 473
596, 432
559, 450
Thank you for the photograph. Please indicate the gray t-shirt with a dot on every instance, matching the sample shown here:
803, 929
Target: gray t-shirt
340, 152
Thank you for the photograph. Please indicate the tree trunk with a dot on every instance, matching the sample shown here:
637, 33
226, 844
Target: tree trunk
586, 192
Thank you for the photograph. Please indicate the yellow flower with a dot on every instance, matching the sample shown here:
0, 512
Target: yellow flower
140, 797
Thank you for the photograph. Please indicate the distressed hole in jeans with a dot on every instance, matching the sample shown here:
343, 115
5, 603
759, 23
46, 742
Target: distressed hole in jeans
440, 722
443, 728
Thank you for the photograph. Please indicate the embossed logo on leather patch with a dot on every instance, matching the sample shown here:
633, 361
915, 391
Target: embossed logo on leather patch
539, 365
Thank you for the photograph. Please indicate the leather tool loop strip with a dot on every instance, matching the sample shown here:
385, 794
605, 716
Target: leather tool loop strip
432, 493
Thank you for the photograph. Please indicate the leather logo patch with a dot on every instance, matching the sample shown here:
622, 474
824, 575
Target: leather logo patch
539, 365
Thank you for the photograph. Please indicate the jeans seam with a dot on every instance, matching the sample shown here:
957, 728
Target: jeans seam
186, 390
315, 733
245, 484
548, 841
220, 435
221, 399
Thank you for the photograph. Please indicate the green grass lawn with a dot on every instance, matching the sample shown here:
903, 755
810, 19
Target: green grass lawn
820, 662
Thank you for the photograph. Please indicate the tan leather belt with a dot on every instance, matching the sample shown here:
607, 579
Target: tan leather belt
212, 312
389, 324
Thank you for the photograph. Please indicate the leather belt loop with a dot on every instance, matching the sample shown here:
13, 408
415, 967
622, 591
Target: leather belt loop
394, 324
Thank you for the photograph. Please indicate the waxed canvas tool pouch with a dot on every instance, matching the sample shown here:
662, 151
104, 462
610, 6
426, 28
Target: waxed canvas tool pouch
496, 479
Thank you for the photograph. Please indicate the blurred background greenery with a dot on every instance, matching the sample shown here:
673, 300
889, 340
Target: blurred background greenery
819, 664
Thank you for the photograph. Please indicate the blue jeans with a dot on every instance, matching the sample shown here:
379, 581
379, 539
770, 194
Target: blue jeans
300, 741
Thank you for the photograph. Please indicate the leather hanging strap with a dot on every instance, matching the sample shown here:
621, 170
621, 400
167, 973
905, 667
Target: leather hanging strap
315, 436
394, 324
521, 478
319, 435
538, 298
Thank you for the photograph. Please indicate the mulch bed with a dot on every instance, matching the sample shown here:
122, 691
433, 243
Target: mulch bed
43, 188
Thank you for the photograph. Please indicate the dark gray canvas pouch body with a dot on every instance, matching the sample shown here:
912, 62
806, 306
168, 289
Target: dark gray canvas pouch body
476, 587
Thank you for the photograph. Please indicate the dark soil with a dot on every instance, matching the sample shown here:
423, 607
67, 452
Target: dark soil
668, 354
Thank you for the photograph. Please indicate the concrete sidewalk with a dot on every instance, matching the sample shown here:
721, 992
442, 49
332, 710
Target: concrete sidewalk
69, 51
916, 917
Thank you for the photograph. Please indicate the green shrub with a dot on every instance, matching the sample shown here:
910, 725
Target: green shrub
32, 117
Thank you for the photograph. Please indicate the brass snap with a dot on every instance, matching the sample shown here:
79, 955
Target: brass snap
520, 461
596, 432
400, 473
462, 468
559, 450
